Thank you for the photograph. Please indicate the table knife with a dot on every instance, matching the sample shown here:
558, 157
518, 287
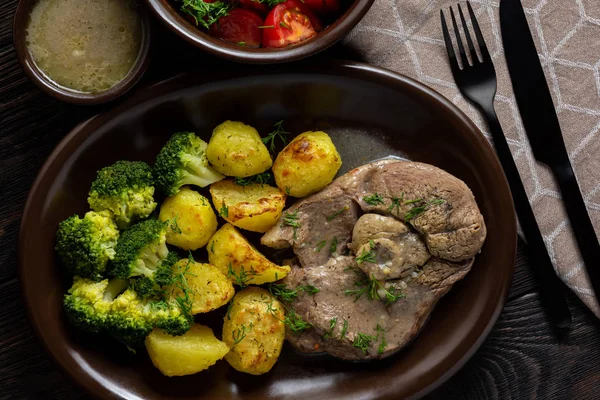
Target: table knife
543, 129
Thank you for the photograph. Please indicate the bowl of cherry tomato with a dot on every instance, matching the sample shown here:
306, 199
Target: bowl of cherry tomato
261, 31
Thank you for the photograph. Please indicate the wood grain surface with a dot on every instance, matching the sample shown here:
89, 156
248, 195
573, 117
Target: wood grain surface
523, 358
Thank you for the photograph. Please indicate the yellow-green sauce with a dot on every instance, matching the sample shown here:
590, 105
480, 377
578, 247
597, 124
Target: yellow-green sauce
85, 45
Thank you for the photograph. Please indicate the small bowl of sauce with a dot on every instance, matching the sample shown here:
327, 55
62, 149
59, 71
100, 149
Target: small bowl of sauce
82, 51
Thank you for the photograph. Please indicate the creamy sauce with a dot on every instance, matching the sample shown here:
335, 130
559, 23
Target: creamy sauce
85, 45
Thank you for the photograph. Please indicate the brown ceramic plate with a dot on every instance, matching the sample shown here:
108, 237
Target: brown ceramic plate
370, 113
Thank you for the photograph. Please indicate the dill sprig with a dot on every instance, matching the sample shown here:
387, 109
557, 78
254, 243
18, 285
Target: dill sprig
332, 324
373, 199
335, 214
344, 329
224, 211
366, 256
204, 13
184, 300
295, 322
239, 334
284, 293
320, 245
261, 179
362, 341
241, 278
278, 132
396, 203
374, 290
333, 245
291, 219
228, 313
173, 225
416, 211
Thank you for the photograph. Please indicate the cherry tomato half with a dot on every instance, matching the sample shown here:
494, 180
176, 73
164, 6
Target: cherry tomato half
240, 26
254, 5
288, 23
323, 7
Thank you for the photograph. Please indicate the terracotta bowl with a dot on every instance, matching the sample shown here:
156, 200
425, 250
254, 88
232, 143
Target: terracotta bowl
166, 11
65, 94
369, 113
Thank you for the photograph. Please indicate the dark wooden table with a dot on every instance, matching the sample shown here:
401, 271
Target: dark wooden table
523, 357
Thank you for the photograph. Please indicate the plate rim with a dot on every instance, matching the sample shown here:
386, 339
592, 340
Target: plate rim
350, 69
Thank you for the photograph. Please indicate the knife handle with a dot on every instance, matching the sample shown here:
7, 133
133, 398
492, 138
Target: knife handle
551, 286
580, 221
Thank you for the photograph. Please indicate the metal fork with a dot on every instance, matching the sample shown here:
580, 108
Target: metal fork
476, 80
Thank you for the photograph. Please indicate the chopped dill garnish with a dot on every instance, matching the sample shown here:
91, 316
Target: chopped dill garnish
205, 13
212, 247
332, 323
291, 219
242, 44
396, 203
288, 190
366, 256
362, 341
320, 245
241, 278
270, 308
283, 292
374, 291
261, 179
278, 131
239, 334
185, 301
335, 214
416, 211
229, 306
173, 225
333, 245
224, 211
295, 322
310, 289
374, 199
344, 329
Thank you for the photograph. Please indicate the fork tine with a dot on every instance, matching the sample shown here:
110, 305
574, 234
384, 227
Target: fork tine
448, 41
472, 51
461, 48
485, 54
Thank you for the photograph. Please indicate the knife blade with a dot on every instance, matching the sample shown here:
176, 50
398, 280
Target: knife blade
543, 129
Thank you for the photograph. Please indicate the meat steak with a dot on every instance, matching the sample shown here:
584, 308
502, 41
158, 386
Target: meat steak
379, 275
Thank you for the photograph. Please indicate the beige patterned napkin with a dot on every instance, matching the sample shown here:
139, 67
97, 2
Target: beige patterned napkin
405, 36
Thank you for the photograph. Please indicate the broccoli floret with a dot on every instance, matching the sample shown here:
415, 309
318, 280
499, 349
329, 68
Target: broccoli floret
148, 287
140, 250
88, 304
126, 188
171, 318
132, 318
182, 161
85, 245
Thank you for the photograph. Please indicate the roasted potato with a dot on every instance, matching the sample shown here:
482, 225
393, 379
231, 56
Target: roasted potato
236, 149
209, 288
307, 164
192, 352
254, 330
243, 264
254, 207
194, 221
